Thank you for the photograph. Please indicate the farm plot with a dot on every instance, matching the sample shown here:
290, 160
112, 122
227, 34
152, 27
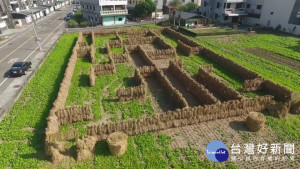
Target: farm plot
196, 99
104, 91
294, 64
233, 48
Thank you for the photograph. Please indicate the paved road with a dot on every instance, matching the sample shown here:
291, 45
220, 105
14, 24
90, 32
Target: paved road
23, 47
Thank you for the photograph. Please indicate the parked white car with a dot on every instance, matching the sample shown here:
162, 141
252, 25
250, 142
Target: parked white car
160, 17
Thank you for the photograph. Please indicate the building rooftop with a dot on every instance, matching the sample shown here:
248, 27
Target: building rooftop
186, 15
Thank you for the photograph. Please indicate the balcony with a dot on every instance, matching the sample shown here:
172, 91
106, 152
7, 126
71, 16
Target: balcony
298, 15
112, 2
235, 1
235, 12
3, 16
114, 12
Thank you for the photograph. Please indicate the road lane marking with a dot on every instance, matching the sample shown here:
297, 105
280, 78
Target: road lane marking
4, 81
15, 49
13, 60
24, 33
35, 49
42, 42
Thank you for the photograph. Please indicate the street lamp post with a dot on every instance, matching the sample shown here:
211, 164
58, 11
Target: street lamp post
156, 1
36, 36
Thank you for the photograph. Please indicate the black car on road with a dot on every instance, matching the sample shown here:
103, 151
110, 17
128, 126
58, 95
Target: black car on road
19, 68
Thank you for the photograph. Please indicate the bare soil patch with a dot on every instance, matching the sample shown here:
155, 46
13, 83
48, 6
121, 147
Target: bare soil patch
231, 131
294, 64
192, 101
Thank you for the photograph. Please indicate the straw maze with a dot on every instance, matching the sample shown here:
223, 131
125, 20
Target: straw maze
197, 99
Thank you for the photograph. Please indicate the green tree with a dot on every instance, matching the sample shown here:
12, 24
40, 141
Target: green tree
189, 6
145, 8
72, 23
176, 4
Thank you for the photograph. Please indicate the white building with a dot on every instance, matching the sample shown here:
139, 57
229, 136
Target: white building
105, 12
283, 14
224, 11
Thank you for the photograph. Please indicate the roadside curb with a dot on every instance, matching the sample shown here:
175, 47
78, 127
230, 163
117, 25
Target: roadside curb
10, 103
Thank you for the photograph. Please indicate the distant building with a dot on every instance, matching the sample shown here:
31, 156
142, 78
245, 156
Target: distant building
6, 20
104, 12
280, 14
188, 19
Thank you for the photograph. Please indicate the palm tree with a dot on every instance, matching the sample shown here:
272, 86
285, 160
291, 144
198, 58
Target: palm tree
176, 4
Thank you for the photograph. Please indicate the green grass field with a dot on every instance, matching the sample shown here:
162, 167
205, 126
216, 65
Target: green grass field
192, 63
22, 130
232, 47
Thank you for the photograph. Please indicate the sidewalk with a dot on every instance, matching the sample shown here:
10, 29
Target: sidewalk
12, 33
99, 27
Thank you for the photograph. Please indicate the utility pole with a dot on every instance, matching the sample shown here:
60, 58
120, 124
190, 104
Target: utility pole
33, 26
156, 1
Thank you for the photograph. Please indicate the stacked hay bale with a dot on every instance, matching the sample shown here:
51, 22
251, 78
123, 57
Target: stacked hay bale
255, 121
117, 143
85, 147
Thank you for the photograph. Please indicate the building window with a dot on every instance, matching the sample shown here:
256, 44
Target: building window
218, 4
120, 19
94, 7
228, 5
82, 6
225, 18
204, 13
248, 5
183, 1
272, 13
259, 7
205, 3
224, 5
216, 16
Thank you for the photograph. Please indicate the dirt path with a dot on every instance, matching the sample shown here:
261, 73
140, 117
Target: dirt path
273, 57
192, 101
138, 62
161, 97
231, 131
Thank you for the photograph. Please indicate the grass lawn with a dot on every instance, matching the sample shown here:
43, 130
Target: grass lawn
192, 63
117, 50
232, 47
211, 31
22, 131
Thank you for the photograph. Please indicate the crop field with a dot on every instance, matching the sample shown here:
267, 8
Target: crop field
24, 130
234, 48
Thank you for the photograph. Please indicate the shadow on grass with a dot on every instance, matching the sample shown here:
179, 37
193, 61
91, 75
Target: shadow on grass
238, 125
102, 149
84, 80
38, 139
129, 82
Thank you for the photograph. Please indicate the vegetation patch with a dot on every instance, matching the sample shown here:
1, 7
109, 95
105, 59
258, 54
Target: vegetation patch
285, 46
21, 132
214, 31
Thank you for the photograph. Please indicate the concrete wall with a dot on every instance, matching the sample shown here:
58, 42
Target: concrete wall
108, 20
120, 19
281, 14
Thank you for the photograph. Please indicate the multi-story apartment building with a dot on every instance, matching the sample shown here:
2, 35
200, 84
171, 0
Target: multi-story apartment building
5, 15
280, 14
224, 11
104, 12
